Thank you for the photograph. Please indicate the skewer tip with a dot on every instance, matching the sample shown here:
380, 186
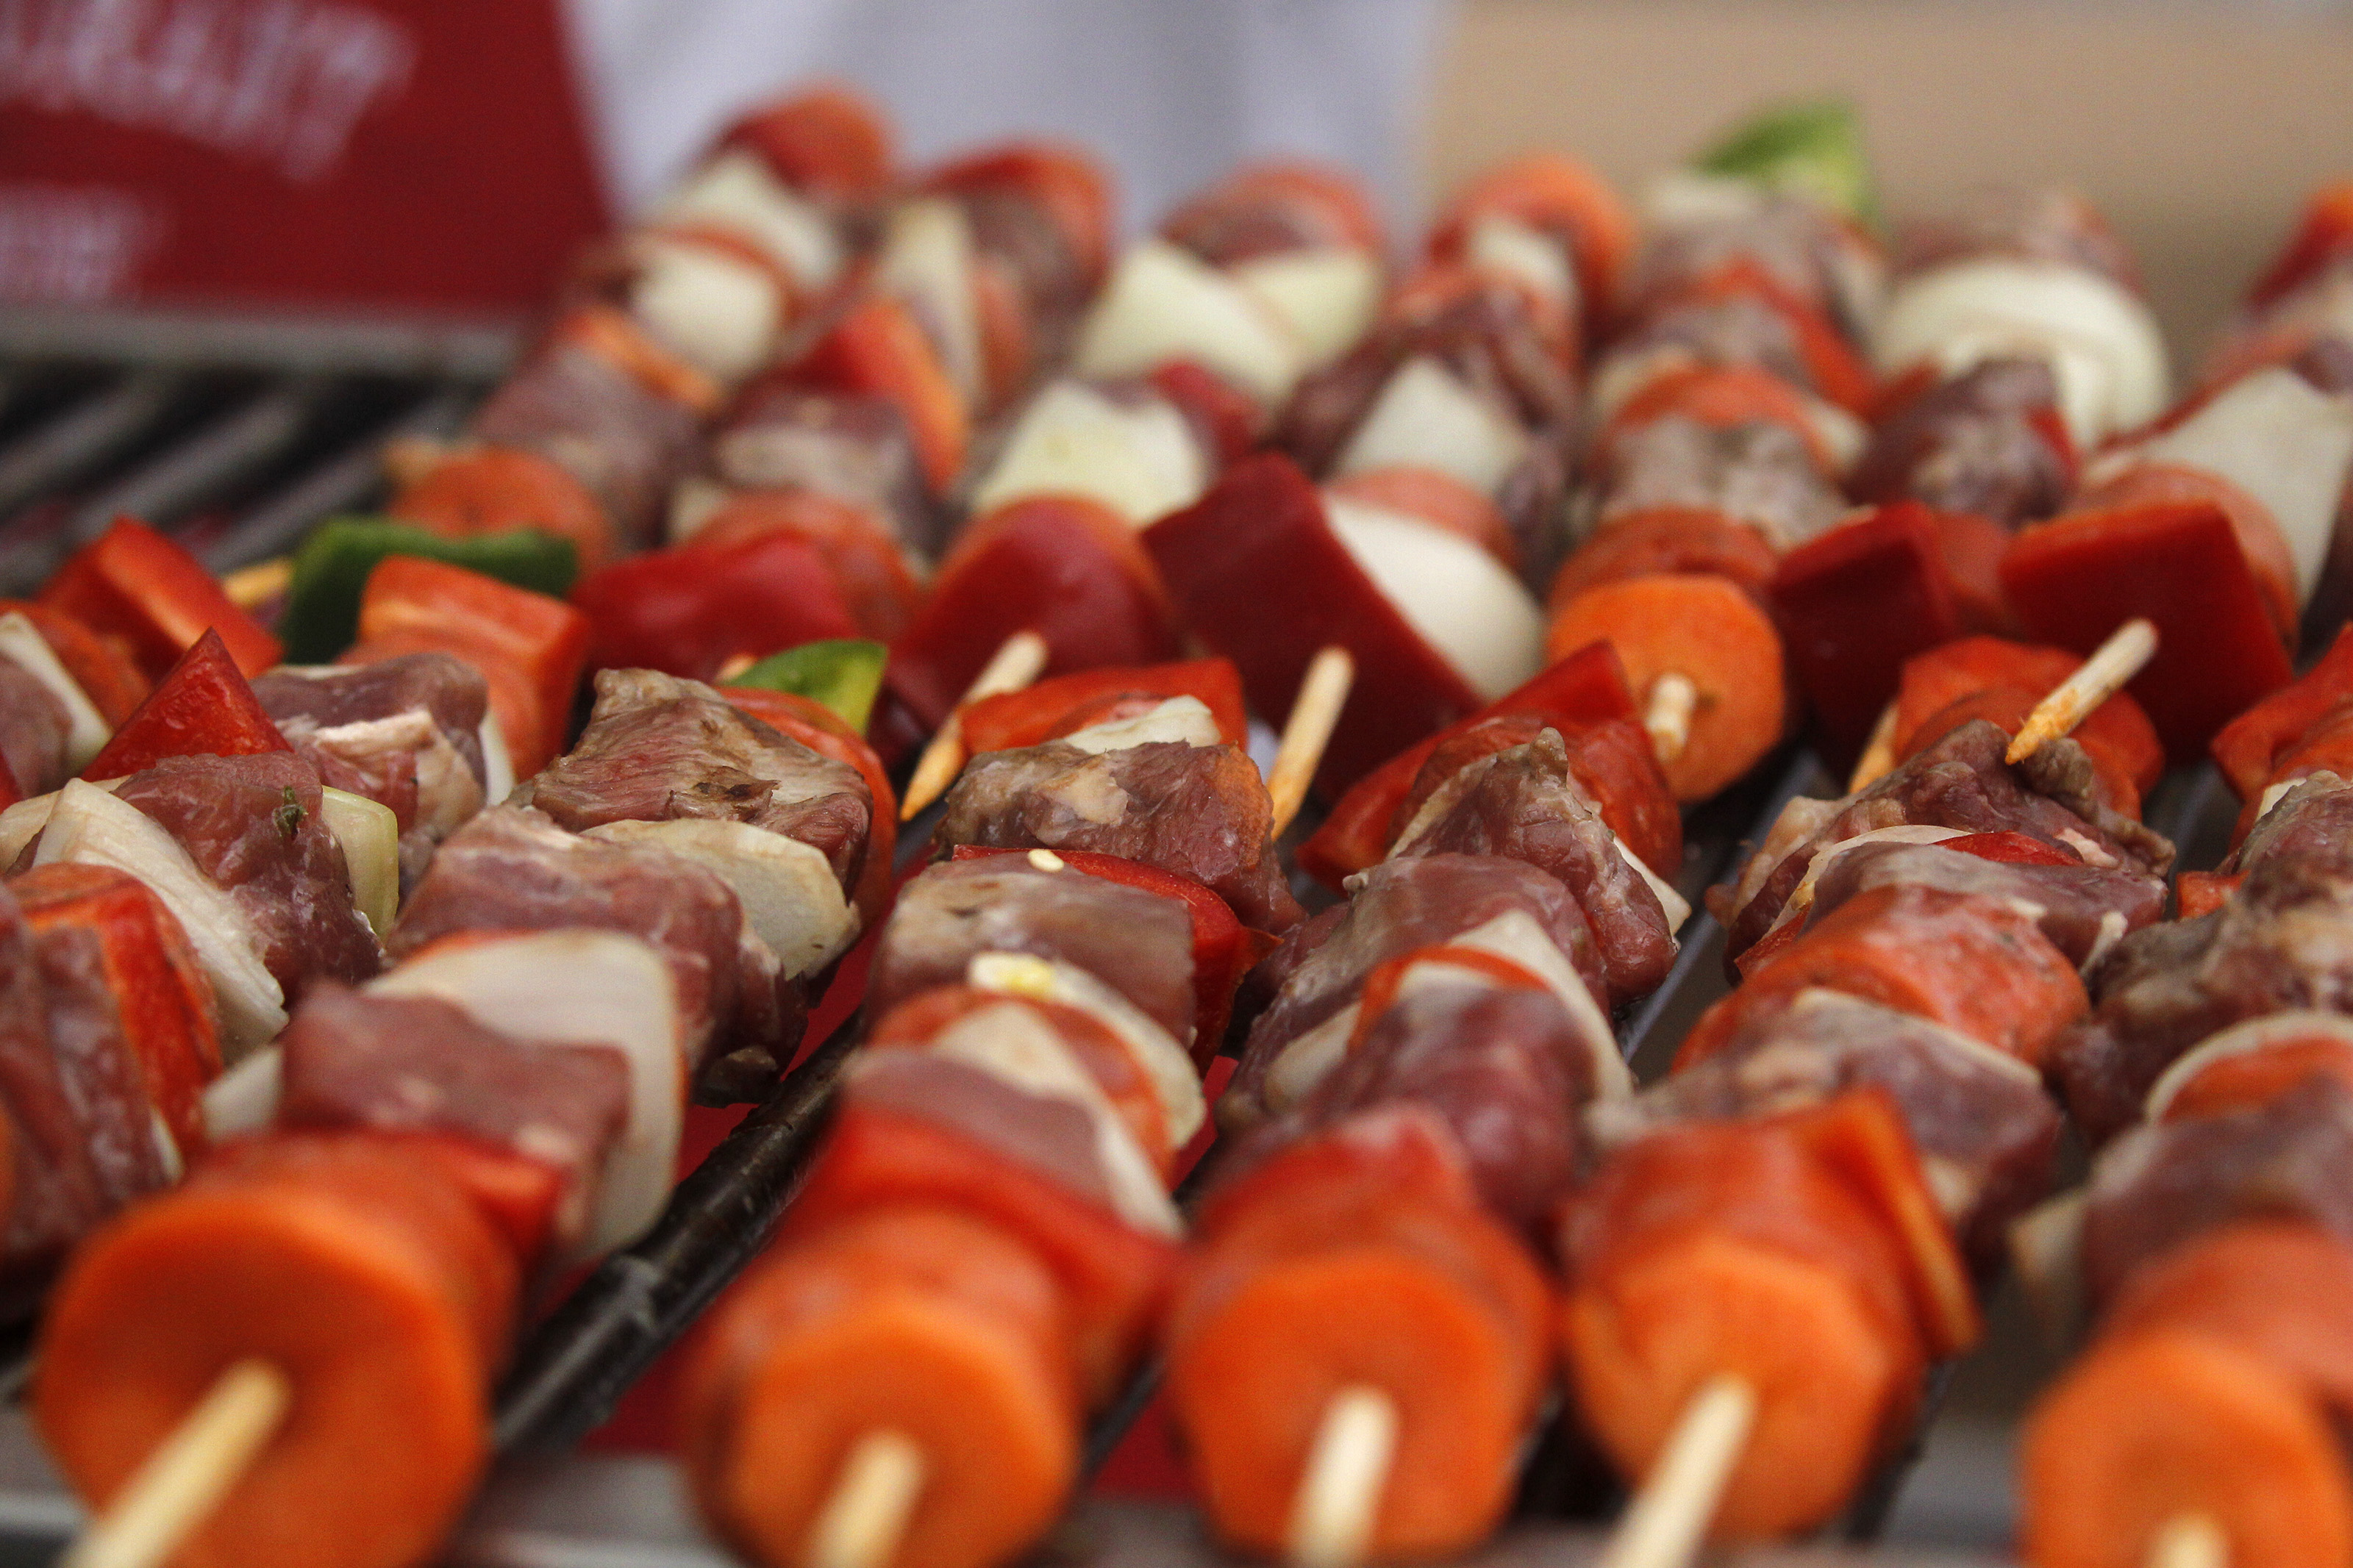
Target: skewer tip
2111, 666
189, 1472
866, 1515
1314, 714
1017, 661
1339, 1497
1669, 1517
2190, 1541
1667, 713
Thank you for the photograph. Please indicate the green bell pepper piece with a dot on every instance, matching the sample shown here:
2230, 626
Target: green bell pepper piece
1813, 149
843, 673
331, 567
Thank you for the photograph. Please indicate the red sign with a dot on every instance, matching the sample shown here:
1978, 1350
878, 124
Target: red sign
335, 153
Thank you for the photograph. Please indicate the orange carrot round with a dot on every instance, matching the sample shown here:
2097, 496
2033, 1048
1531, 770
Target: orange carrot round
365, 1274
1429, 1302
914, 1320
493, 488
1704, 628
2162, 1422
1728, 1248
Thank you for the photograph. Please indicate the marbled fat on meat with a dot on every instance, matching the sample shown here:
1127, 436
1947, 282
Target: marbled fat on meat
1504, 1070
33, 730
1397, 907
1960, 782
1985, 1130
1523, 803
1138, 943
252, 825
2074, 903
2284, 940
2162, 1185
512, 869
422, 1064
658, 748
1200, 811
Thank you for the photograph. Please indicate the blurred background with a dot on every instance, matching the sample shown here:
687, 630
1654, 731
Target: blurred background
421, 154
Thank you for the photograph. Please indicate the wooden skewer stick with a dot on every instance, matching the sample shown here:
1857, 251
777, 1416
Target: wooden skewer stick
2117, 660
1314, 714
1668, 1518
2190, 1541
861, 1524
736, 665
188, 1474
249, 587
1015, 665
1878, 759
1667, 714
1347, 1469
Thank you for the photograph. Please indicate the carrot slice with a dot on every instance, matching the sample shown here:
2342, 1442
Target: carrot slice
489, 489
1430, 1302
1565, 198
360, 1270
1733, 1247
915, 1321
1706, 630
2160, 1422
1970, 963
2253, 1078
2283, 1287
1668, 538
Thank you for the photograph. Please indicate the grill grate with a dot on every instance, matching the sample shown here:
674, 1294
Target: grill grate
236, 435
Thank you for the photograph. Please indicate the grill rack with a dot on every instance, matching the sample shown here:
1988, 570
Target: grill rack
236, 434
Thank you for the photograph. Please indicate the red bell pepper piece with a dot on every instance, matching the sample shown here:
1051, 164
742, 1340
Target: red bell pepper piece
134, 583
1863, 1136
1224, 950
9, 792
828, 142
689, 610
529, 646
1261, 531
879, 348
1064, 567
163, 999
1588, 687
2325, 237
859, 550
203, 707
2011, 849
1069, 703
827, 733
2250, 748
2203, 892
1230, 415
1116, 1275
101, 666
1852, 605
2075, 579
